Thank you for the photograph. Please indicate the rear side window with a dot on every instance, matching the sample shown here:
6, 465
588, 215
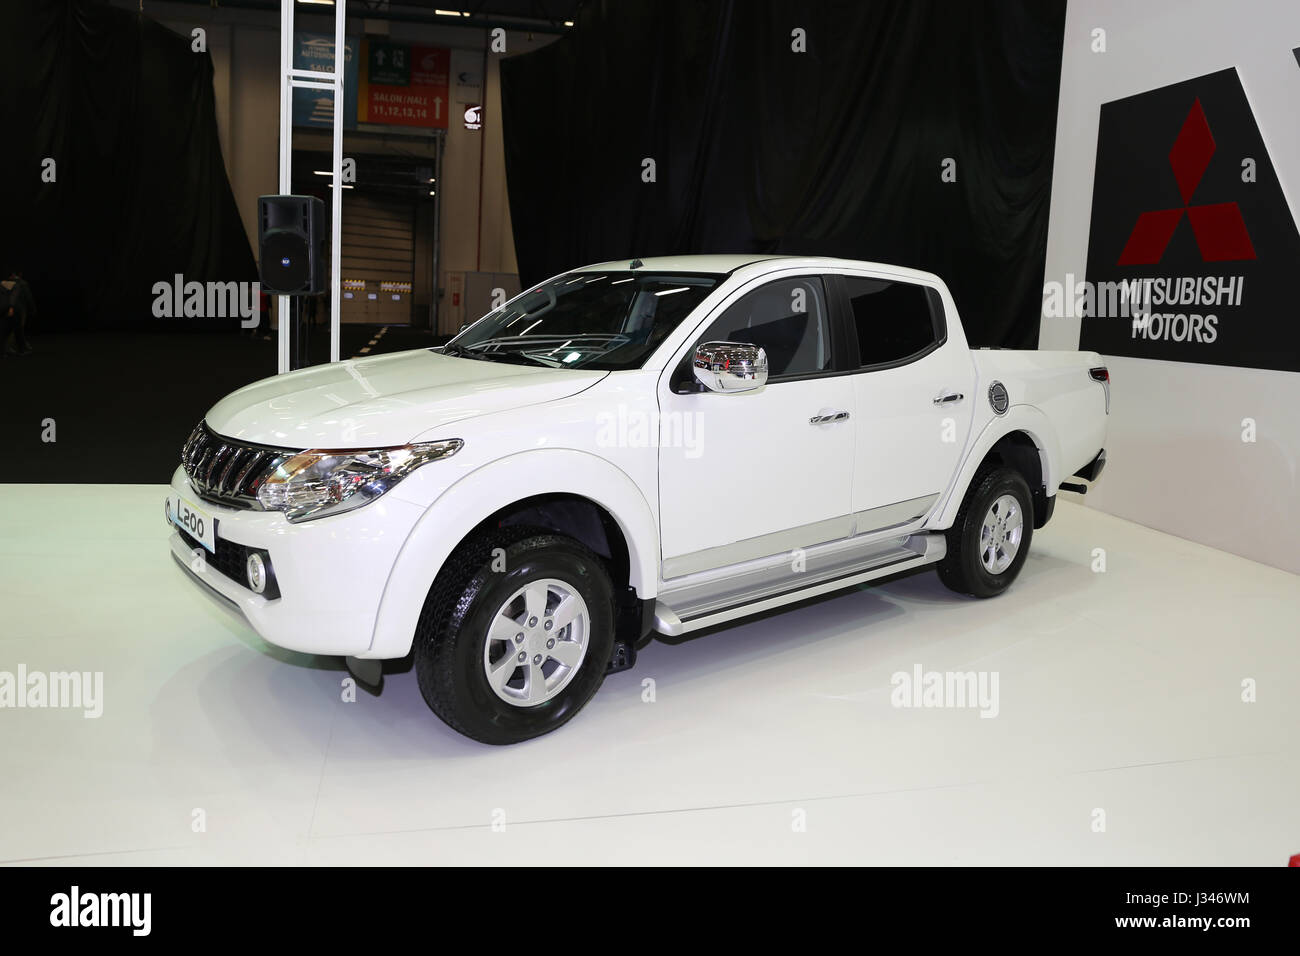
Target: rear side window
895, 320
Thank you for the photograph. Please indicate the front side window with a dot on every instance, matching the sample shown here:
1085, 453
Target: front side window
894, 320
594, 320
787, 319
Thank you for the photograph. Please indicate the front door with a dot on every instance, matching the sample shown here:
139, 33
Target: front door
745, 475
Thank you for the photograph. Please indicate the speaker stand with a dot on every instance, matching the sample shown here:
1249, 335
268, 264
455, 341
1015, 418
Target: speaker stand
299, 334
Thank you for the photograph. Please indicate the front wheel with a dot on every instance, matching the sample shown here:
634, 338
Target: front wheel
988, 542
515, 635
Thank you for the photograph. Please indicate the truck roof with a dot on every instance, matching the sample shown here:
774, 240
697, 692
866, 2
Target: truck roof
726, 263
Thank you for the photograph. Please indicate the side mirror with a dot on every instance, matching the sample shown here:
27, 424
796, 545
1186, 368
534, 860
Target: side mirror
730, 366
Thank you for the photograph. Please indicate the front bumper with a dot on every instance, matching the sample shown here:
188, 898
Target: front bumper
331, 573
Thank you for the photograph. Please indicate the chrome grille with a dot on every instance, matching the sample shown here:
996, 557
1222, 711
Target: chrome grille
225, 471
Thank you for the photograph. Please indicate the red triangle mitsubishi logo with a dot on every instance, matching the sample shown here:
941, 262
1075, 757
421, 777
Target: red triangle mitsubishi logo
1219, 229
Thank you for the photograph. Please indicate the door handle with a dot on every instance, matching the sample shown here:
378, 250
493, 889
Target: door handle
829, 418
951, 398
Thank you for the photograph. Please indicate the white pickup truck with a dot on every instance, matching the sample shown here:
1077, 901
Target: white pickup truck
659, 445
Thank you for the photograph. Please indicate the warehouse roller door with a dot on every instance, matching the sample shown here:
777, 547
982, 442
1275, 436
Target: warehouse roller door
378, 259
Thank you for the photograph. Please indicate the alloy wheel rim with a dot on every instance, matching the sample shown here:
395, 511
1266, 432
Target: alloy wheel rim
1000, 534
536, 642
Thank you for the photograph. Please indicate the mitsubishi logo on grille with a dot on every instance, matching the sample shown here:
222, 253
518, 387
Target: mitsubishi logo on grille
1219, 229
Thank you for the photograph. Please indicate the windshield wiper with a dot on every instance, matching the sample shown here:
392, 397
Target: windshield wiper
510, 358
517, 358
461, 351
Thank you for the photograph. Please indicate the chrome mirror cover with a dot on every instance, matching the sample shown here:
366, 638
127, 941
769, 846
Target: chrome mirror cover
730, 366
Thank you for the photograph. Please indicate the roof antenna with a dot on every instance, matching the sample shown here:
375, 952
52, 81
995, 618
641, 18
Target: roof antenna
636, 264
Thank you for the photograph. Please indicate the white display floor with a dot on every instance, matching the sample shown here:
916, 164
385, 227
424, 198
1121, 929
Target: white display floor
1118, 692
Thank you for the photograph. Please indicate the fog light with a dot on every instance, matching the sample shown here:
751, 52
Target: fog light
256, 573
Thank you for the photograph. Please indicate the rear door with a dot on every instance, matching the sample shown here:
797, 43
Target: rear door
912, 391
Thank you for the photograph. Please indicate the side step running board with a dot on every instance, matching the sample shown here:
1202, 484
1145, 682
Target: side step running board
667, 621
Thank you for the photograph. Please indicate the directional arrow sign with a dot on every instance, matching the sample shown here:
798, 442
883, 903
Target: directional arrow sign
404, 86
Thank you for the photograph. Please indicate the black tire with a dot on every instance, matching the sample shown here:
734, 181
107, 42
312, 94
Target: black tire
453, 628
962, 568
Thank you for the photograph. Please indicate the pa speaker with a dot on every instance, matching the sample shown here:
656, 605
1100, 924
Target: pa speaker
291, 244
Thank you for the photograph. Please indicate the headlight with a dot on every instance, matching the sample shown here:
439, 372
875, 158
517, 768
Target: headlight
313, 484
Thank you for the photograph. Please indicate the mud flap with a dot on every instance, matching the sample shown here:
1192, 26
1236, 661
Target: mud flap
623, 658
368, 673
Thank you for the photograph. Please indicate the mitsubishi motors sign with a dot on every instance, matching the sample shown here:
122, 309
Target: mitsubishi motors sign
1191, 233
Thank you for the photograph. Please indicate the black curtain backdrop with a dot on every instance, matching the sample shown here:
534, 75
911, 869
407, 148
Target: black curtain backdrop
125, 108
836, 151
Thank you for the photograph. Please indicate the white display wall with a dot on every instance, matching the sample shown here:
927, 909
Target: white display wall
1178, 458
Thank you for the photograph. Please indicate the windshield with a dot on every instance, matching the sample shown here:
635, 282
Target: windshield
594, 320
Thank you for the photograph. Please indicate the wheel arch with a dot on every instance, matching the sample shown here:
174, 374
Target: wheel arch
562, 490
566, 513
1023, 439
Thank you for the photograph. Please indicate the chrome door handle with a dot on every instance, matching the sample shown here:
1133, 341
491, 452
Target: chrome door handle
950, 399
829, 418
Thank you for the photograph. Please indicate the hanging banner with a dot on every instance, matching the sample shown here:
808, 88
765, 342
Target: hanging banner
403, 85
315, 52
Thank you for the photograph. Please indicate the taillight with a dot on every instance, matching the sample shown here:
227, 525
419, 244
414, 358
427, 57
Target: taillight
1102, 374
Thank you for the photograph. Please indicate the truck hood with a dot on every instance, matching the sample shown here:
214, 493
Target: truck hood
384, 401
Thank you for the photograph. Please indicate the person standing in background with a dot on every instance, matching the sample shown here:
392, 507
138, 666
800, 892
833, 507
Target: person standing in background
18, 306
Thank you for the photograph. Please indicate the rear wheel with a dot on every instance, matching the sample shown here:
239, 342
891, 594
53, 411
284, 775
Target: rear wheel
515, 635
989, 541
